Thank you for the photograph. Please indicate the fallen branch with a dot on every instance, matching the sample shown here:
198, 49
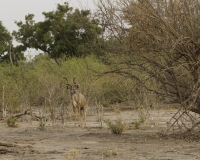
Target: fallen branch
39, 118
27, 112
7, 144
21, 114
4, 151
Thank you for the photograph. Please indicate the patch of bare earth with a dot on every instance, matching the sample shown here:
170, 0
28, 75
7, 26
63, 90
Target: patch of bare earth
61, 142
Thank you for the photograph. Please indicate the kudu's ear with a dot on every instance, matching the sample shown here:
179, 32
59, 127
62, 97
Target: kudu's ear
68, 86
76, 86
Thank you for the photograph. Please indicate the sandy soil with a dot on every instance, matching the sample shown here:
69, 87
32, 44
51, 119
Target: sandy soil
67, 142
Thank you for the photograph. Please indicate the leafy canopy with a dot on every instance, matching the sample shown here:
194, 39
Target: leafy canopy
5, 39
64, 32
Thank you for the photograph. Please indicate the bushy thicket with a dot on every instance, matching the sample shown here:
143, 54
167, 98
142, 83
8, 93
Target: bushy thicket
39, 82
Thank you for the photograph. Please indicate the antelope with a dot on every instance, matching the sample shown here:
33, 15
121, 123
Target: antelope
78, 101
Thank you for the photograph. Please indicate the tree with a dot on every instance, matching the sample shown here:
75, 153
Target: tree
5, 41
64, 32
158, 46
8, 53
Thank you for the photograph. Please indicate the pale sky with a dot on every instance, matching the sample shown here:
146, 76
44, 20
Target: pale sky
11, 10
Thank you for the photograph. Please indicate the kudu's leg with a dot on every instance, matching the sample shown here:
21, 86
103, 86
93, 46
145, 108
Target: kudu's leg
79, 115
74, 110
84, 111
83, 115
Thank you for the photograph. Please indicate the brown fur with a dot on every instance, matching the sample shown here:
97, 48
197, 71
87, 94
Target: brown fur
78, 102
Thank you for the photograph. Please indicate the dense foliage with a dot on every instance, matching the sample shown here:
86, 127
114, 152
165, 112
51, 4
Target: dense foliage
5, 40
64, 32
40, 82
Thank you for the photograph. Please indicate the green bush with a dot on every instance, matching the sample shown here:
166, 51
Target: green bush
118, 127
39, 82
143, 116
42, 126
11, 122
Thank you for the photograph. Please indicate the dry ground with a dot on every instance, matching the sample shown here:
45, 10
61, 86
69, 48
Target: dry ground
63, 142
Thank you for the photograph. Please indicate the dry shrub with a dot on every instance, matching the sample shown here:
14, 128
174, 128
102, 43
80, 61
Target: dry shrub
11, 122
118, 127
143, 116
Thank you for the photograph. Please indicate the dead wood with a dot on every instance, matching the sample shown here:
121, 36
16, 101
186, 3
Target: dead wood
4, 151
39, 118
183, 121
27, 112
7, 144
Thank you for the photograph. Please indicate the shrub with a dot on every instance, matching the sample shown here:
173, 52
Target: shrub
138, 123
11, 122
116, 128
41, 126
143, 115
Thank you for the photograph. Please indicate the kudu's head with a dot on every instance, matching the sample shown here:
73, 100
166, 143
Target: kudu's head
70, 87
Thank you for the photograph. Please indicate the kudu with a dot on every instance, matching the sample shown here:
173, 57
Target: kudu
78, 101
